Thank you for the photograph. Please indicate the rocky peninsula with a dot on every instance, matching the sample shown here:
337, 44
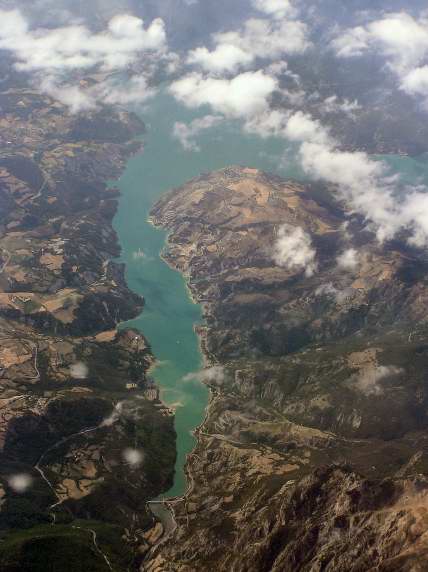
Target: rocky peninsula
313, 453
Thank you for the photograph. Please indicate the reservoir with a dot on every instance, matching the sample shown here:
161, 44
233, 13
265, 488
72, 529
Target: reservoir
169, 316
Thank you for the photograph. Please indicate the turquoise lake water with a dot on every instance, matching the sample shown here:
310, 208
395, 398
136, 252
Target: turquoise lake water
169, 316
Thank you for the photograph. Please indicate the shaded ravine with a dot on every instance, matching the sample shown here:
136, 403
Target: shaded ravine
169, 317
38, 467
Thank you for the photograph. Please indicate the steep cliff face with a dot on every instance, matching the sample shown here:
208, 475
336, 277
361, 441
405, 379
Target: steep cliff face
332, 520
313, 454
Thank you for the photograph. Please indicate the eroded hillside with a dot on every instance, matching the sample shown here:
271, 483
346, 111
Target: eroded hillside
313, 453
77, 410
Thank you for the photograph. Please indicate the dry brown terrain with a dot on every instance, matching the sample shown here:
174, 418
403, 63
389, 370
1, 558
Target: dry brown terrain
314, 452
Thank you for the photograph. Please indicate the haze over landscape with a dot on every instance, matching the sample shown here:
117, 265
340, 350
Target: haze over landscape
213, 285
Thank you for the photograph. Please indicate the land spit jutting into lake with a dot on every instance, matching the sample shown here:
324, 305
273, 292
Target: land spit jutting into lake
169, 318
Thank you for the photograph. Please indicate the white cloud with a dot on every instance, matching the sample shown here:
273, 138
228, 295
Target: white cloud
333, 104
186, 133
125, 92
72, 96
352, 43
276, 8
349, 259
109, 91
329, 290
79, 370
413, 214
369, 189
267, 39
416, 81
401, 38
220, 82
76, 47
268, 123
364, 183
257, 39
297, 127
53, 56
293, 250
115, 415
279, 68
368, 380
133, 457
20, 483
225, 58
302, 128
244, 95
214, 374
